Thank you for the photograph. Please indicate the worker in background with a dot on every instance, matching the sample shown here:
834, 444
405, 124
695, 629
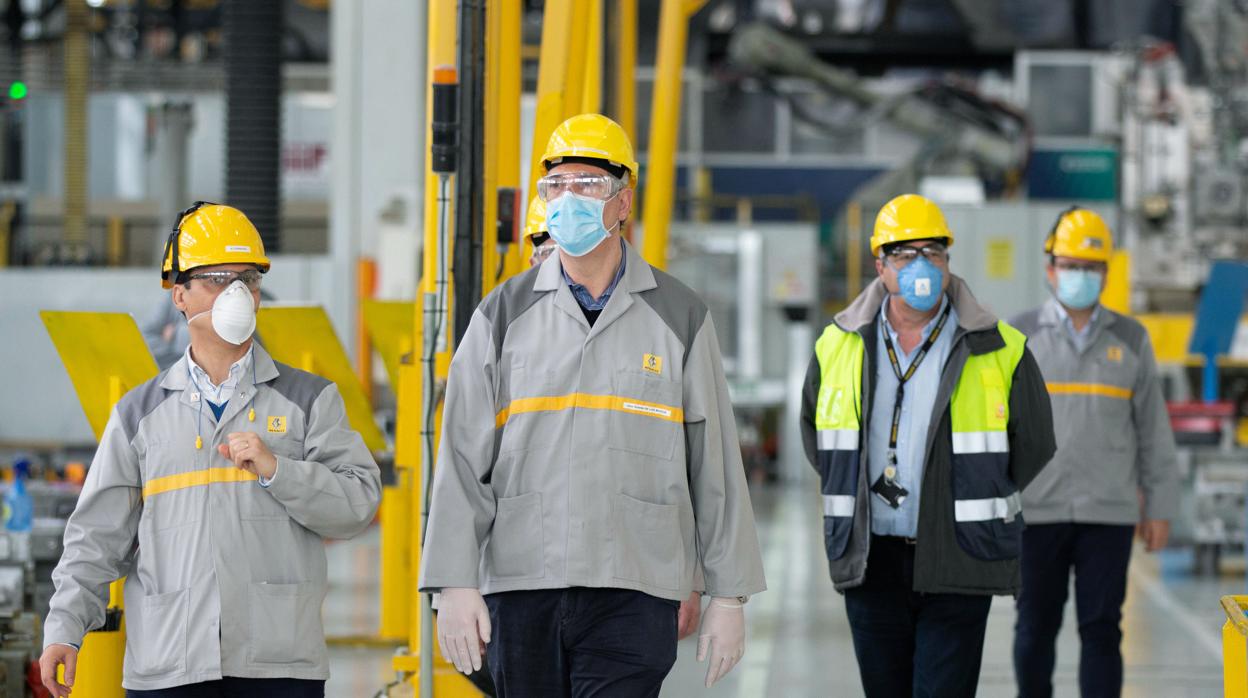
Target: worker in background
589, 465
213, 488
543, 245
924, 415
1115, 445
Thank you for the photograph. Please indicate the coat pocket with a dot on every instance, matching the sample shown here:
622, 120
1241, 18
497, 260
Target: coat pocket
646, 418
516, 541
157, 637
987, 508
649, 545
285, 624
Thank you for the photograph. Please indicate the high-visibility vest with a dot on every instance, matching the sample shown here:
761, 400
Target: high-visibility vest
985, 498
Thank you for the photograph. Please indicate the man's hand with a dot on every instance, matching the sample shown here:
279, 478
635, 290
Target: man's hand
690, 613
53, 657
723, 634
247, 450
1155, 534
463, 627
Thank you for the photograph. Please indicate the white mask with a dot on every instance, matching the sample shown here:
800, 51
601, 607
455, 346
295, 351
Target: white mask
233, 314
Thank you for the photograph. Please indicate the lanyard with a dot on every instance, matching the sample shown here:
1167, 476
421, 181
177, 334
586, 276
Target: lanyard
890, 472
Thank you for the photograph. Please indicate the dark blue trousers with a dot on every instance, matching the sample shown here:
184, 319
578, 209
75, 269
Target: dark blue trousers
910, 643
230, 687
578, 643
1099, 555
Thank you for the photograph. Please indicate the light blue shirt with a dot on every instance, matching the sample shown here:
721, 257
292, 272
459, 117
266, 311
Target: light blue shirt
219, 394
1079, 337
916, 416
585, 298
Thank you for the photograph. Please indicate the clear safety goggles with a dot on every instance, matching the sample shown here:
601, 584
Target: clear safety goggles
902, 255
219, 280
595, 186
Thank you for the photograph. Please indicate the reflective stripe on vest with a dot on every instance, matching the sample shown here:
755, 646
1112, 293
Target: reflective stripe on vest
1004, 508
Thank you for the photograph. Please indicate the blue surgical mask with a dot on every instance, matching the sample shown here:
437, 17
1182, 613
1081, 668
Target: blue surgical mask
920, 282
575, 222
1078, 288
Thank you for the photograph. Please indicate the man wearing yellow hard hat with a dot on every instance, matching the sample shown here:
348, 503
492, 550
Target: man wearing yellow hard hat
924, 416
1114, 468
213, 488
541, 245
590, 476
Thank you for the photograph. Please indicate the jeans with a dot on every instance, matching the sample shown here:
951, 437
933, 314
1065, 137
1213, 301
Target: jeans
912, 643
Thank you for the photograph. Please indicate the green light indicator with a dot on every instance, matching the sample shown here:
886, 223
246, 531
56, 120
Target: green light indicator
17, 90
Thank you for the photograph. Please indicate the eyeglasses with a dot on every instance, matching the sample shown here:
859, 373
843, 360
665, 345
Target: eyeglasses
541, 252
903, 255
595, 186
219, 280
1063, 265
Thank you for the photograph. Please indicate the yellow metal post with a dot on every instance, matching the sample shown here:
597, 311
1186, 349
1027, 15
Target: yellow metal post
366, 285
7, 212
665, 128
578, 41
115, 251
853, 250
552, 78
441, 42
489, 159
396, 521
625, 78
509, 85
591, 94
1235, 648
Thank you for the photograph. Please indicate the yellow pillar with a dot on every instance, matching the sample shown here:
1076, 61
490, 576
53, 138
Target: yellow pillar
552, 77
591, 94
665, 128
396, 522
853, 251
575, 68
626, 67
509, 85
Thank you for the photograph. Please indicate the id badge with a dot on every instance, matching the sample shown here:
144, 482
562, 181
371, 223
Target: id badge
892, 493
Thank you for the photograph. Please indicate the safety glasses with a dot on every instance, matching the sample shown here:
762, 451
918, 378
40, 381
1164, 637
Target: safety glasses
595, 186
219, 280
903, 255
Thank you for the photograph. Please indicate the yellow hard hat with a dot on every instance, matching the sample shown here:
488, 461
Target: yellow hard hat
591, 136
909, 217
207, 234
1082, 234
535, 219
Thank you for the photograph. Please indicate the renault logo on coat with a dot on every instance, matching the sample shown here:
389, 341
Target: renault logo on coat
1114, 354
652, 363
277, 425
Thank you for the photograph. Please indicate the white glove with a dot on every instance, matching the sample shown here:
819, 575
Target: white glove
463, 627
723, 633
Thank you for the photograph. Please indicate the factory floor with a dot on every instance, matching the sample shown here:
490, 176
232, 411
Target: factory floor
799, 642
